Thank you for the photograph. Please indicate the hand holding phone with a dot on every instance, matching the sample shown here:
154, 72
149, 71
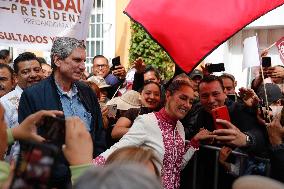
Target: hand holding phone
220, 113
53, 130
115, 62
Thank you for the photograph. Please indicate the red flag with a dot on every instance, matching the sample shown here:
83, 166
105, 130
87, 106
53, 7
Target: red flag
280, 46
191, 29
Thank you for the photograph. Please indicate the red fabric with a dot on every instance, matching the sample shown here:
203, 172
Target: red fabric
190, 29
280, 46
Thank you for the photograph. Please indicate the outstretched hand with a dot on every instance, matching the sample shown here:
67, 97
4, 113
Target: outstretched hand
139, 65
204, 134
231, 136
119, 72
249, 97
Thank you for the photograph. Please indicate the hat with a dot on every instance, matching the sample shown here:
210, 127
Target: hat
130, 99
99, 81
273, 92
195, 73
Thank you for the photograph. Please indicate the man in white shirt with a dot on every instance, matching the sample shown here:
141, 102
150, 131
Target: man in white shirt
28, 72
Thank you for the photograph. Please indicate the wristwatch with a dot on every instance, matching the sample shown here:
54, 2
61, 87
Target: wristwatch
248, 140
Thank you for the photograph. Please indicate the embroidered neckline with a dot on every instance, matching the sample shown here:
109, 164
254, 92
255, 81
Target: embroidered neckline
164, 116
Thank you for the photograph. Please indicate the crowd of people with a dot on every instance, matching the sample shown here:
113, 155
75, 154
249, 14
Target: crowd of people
115, 133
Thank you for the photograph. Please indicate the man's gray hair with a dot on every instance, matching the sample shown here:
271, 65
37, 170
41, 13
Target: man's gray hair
63, 47
118, 176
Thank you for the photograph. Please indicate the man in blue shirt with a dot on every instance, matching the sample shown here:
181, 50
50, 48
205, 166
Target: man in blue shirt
63, 91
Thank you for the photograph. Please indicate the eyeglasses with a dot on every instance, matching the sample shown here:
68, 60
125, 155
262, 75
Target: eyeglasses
103, 66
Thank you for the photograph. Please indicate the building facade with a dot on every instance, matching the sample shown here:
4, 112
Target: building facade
269, 28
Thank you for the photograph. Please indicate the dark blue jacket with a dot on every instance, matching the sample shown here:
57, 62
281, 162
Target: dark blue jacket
44, 96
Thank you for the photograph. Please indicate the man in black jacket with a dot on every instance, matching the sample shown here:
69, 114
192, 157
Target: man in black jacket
243, 130
63, 91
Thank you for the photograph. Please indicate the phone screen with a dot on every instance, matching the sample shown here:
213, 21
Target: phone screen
266, 61
115, 62
232, 97
220, 113
215, 67
53, 130
34, 166
112, 110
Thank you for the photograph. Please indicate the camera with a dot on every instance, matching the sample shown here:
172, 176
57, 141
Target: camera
115, 62
232, 97
215, 67
266, 61
53, 130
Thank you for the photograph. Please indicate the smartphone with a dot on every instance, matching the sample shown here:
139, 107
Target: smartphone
266, 61
115, 62
112, 110
232, 97
34, 166
215, 67
220, 113
53, 130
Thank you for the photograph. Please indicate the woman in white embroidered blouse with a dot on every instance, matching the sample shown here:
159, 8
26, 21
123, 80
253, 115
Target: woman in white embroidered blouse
163, 132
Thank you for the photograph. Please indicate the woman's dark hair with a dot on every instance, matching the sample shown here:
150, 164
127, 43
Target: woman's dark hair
148, 83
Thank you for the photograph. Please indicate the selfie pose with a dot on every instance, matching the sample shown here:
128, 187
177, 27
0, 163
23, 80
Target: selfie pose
163, 132
238, 129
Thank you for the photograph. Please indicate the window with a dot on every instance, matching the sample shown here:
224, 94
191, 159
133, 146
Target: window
95, 36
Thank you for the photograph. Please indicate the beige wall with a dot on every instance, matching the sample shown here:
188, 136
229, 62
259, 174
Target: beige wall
123, 33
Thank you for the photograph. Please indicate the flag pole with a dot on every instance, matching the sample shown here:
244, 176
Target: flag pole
265, 51
270, 46
262, 76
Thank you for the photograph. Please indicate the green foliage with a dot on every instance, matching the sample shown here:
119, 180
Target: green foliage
141, 45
